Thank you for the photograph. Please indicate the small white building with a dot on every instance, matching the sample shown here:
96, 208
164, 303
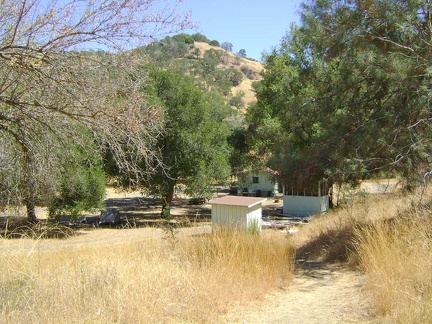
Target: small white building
234, 212
260, 184
303, 206
307, 205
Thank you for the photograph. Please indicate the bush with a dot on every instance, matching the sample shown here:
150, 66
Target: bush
82, 189
248, 72
214, 43
200, 38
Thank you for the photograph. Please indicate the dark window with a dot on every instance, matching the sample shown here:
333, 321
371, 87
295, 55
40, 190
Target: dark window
255, 180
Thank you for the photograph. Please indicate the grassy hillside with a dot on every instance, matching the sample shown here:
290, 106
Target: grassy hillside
253, 69
229, 74
241, 64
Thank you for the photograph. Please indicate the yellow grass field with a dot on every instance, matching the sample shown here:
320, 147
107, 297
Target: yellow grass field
198, 275
139, 276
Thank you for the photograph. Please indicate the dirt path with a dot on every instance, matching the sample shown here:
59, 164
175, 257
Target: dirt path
319, 294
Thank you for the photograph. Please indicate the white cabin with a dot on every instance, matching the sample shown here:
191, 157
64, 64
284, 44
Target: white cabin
259, 184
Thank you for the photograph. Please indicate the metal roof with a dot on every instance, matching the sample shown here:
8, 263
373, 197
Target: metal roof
237, 201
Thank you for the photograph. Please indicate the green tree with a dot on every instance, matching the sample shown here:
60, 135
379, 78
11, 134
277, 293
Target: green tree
193, 145
200, 38
214, 43
82, 183
234, 76
242, 53
227, 46
237, 100
345, 96
210, 60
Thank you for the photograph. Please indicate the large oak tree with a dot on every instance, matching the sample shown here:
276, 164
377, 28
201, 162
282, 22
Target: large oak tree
193, 145
48, 86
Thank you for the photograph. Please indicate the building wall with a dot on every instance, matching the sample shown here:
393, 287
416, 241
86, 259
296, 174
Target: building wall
236, 216
254, 217
301, 206
265, 183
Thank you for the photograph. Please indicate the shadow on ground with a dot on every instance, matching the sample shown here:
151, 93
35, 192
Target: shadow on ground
142, 211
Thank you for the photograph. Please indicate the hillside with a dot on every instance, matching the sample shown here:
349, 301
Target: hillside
229, 74
253, 68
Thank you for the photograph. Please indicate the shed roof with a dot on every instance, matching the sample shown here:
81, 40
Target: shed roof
238, 201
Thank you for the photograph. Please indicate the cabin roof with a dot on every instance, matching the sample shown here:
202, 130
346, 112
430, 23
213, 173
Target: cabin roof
237, 201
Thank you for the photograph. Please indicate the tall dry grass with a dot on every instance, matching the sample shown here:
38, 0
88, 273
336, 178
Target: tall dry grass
194, 279
330, 237
396, 256
389, 237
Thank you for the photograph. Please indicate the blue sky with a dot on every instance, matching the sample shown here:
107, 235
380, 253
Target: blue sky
252, 25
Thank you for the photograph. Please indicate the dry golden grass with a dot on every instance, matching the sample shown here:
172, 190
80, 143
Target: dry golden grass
396, 255
389, 237
237, 62
191, 279
330, 237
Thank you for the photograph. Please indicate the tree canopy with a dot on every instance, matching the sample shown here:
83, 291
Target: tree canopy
193, 145
346, 94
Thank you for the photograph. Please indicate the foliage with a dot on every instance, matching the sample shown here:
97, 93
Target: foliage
210, 60
50, 86
214, 43
197, 37
169, 47
346, 94
237, 100
82, 189
82, 185
247, 71
234, 76
227, 46
242, 53
193, 145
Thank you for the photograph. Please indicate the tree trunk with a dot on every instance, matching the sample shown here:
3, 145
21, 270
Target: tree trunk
166, 206
31, 212
30, 183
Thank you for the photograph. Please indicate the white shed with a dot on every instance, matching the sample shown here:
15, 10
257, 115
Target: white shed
303, 206
242, 213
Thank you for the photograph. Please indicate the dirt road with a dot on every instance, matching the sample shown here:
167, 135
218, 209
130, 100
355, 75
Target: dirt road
319, 294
